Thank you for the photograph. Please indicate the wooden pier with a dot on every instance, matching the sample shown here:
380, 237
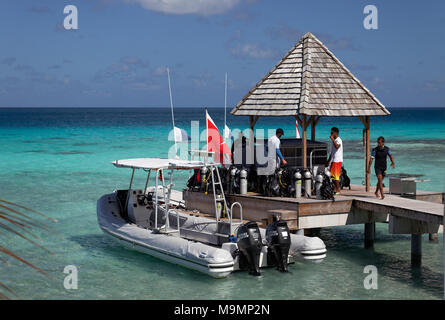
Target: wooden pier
416, 215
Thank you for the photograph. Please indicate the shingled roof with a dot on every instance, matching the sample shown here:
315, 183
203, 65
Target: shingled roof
310, 80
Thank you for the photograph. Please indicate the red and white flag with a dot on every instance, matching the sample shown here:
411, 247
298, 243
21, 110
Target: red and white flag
298, 131
216, 143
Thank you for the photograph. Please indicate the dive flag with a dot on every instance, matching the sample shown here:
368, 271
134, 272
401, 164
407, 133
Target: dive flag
297, 131
216, 143
180, 135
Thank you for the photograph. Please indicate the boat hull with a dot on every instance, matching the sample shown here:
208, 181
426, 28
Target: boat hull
215, 261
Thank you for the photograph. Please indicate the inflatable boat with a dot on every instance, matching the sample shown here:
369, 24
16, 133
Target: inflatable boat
147, 220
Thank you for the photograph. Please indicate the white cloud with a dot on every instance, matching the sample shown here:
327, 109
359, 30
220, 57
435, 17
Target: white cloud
253, 50
200, 7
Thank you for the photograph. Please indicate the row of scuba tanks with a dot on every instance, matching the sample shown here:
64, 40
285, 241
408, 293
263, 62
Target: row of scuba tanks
285, 182
250, 245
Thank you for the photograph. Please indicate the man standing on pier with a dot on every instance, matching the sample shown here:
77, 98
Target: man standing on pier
274, 148
336, 158
380, 154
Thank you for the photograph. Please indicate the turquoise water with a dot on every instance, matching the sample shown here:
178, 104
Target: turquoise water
58, 162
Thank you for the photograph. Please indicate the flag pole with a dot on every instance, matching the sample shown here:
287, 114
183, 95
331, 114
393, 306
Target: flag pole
171, 107
225, 105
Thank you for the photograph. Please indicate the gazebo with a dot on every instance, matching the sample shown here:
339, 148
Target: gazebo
310, 83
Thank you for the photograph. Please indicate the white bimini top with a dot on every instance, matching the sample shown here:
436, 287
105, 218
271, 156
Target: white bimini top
158, 163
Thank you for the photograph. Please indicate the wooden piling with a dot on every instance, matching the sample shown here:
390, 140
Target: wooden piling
369, 235
416, 249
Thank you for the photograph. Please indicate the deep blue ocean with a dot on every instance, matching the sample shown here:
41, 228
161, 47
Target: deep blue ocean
57, 161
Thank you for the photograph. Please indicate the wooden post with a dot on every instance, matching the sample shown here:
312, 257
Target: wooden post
367, 123
314, 123
304, 127
416, 249
252, 121
368, 151
369, 234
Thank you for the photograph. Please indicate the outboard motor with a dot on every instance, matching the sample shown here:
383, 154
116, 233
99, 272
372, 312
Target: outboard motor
278, 242
297, 177
243, 181
249, 244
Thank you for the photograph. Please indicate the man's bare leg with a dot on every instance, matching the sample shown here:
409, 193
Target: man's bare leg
337, 186
380, 179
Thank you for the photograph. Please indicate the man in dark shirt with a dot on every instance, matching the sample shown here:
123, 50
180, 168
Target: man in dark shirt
380, 154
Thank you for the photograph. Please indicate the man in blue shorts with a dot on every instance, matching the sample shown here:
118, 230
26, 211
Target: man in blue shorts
380, 154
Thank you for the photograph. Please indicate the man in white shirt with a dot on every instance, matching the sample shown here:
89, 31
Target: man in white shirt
274, 148
336, 158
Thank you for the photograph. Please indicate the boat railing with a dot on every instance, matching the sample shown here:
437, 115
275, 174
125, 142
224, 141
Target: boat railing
231, 214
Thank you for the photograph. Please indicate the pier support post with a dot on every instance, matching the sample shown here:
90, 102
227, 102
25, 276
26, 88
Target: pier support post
416, 249
433, 237
369, 235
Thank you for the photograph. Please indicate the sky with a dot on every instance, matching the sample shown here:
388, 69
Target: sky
119, 54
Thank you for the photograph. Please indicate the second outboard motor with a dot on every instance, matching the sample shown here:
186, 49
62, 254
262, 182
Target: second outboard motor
249, 244
278, 242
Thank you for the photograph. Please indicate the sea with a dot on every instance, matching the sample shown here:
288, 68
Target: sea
58, 161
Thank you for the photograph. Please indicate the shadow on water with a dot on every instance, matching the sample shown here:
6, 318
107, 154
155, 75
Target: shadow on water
204, 286
349, 244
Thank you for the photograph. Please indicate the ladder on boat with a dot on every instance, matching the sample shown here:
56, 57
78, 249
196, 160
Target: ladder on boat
220, 201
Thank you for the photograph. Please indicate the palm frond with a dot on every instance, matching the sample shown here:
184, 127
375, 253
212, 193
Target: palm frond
9, 290
20, 224
10, 253
24, 237
28, 209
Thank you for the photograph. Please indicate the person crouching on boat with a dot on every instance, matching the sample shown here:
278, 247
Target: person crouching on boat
274, 144
336, 158
380, 154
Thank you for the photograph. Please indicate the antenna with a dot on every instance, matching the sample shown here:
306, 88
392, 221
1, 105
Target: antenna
171, 106
225, 104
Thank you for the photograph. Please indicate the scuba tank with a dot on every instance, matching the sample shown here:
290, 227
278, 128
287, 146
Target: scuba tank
203, 178
243, 181
278, 245
232, 180
307, 183
218, 207
249, 245
318, 185
297, 177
